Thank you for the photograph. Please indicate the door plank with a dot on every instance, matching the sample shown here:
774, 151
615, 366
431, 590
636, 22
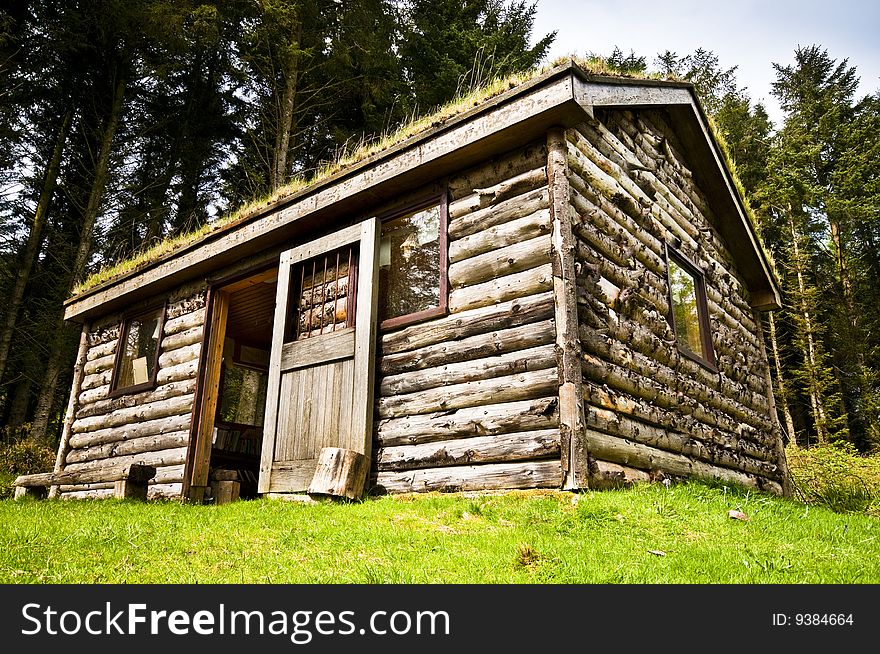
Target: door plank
318, 350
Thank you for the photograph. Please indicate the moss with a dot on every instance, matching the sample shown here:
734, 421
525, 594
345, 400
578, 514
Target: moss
367, 148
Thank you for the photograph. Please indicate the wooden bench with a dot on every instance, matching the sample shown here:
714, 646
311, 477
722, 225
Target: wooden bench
130, 481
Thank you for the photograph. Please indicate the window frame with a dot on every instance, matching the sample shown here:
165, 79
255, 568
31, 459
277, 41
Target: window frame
707, 357
156, 310
442, 201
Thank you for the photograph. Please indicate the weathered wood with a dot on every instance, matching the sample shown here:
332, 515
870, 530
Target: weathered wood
535, 358
339, 473
573, 449
513, 231
605, 475
191, 336
69, 415
618, 424
225, 491
180, 355
161, 409
101, 350
498, 448
497, 214
291, 476
312, 351
172, 457
184, 322
154, 443
488, 420
501, 289
131, 431
524, 386
163, 392
124, 470
96, 380
489, 476
513, 186
474, 347
99, 365
625, 452
498, 263
517, 312
180, 372
497, 170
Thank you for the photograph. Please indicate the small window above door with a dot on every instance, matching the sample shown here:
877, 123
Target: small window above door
412, 265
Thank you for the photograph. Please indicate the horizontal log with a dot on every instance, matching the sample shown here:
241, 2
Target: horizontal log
182, 339
174, 406
154, 492
102, 350
97, 380
618, 424
164, 475
180, 355
513, 231
180, 372
722, 429
521, 446
184, 322
606, 475
489, 476
514, 186
497, 214
625, 452
498, 170
498, 263
488, 420
525, 386
187, 299
153, 443
163, 392
535, 358
502, 289
93, 395
517, 312
111, 471
99, 365
171, 457
466, 349
107, 333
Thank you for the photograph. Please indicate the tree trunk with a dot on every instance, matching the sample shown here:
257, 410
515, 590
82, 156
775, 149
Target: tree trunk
281, 165
32, 247
58, 350
780, 382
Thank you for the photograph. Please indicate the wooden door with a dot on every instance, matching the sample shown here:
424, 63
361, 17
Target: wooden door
320, 388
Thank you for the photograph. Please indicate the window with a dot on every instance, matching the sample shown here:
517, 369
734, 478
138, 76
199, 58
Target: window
688, 310
137, 354
412, 265
244, 380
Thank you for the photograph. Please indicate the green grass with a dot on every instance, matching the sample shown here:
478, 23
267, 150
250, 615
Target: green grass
648, 534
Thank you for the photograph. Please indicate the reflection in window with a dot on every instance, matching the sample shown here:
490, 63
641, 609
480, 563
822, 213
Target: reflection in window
409, 264
243, 395
685, 309
140, 344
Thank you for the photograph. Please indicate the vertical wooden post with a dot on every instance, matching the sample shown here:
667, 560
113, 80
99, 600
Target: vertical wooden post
781, 461
64, 445
572, 420
365, 339
210, 396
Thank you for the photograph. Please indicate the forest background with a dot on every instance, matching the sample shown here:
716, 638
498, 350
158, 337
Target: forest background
125, 122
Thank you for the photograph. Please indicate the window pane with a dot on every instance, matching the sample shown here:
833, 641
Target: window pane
324, 303
139, 356
243, 396
409, 264
685, 308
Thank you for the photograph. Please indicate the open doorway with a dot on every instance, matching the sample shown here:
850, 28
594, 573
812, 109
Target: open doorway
236, 378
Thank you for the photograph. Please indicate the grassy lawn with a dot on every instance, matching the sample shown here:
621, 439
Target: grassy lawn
648, 534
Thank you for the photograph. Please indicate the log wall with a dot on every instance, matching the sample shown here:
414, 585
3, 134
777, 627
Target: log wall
150, 427
470, 400
647, 407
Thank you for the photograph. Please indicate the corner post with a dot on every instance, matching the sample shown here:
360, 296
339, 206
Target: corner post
572, 419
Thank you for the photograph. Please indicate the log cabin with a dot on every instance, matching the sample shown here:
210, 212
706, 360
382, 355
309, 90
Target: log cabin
557, 287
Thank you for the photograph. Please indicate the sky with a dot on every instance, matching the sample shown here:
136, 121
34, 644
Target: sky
748, 34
